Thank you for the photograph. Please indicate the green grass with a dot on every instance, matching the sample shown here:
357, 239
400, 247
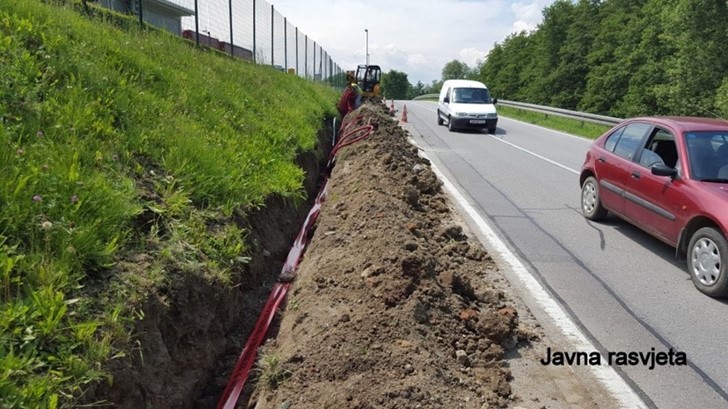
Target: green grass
126, 158
571, 126
270, 371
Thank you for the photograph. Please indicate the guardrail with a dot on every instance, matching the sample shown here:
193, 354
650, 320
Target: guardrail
426, 96
584, 116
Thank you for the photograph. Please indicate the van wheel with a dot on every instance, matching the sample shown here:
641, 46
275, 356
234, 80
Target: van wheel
450, 126
439, 118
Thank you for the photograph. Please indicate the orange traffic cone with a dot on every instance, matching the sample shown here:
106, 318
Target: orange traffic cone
404, 114
391, 109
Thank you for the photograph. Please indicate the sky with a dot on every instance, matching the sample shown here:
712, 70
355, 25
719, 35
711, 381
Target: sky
417, 37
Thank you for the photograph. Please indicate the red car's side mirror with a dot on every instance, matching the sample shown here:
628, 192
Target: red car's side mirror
664, 170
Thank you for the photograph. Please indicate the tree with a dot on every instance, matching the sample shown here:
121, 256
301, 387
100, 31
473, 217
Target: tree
506, 66
434, 87
721, 99
619, 33
618, 57
699, 64
544, 53
648, 81
395, 85
417, 90
455, 70
568, 80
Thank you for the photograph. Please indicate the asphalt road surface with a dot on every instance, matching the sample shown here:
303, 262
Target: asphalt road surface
623, 288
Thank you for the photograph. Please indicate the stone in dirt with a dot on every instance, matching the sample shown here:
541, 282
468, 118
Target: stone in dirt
407, 318
414, 313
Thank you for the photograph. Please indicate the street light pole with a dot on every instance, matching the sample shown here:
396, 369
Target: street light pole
366, 30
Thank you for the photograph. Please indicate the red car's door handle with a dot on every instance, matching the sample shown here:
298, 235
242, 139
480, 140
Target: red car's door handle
636, 175
601, 159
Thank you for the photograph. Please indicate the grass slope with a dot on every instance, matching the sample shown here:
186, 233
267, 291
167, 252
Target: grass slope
115, 143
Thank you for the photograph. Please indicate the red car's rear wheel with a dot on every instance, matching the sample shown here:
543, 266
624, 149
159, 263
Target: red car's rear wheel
591, 205
707, 262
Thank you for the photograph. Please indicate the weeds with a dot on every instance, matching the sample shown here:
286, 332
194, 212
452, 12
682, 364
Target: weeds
124, 157
294, 304
270, 372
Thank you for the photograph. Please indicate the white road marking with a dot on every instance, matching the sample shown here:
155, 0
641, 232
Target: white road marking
529, 152
536, 155
618, 388
580, 138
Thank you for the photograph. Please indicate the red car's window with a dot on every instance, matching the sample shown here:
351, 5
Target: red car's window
660, 149
630, 140
612, 139
708, 155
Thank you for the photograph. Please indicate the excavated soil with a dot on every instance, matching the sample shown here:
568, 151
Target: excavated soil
393, 305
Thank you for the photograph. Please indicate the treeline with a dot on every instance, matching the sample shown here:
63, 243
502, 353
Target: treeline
618, 57
395, 84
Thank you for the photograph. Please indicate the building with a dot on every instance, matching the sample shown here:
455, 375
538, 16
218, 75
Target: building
161, 13
212, 42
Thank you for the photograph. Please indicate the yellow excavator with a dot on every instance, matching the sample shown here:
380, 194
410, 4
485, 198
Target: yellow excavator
368, 77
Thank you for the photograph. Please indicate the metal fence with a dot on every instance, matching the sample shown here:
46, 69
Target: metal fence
252, 30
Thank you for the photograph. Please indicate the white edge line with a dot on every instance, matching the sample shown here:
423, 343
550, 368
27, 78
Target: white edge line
618, 388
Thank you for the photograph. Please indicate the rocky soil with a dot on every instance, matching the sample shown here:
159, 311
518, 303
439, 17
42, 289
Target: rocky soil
397, 305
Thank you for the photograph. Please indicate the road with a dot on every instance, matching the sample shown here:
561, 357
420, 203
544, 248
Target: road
625, 290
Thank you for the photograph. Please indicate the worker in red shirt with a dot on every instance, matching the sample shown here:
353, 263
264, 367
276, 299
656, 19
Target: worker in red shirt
348, 101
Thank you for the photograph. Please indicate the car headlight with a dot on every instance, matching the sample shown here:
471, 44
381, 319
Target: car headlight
460, 114
491, 115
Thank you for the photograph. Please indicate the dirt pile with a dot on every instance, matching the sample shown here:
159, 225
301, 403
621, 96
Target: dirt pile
393, 305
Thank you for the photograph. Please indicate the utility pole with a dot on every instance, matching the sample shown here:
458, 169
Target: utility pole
366, 30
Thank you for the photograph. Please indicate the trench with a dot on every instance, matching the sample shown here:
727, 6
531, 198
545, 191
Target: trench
275, 229
190, 338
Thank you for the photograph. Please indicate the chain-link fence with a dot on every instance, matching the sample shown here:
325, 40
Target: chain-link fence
247, 29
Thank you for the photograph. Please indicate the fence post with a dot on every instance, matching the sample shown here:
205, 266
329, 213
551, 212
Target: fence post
255, 57
141, 18
314, 61
297, 71
285, 43
197, 25
232, 43
305, 54
272, 36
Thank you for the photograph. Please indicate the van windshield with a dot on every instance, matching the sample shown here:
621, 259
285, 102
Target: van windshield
471, 96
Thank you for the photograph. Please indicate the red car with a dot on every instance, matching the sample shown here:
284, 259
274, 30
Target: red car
669, 177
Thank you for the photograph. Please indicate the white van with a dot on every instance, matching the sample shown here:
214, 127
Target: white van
466, 104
